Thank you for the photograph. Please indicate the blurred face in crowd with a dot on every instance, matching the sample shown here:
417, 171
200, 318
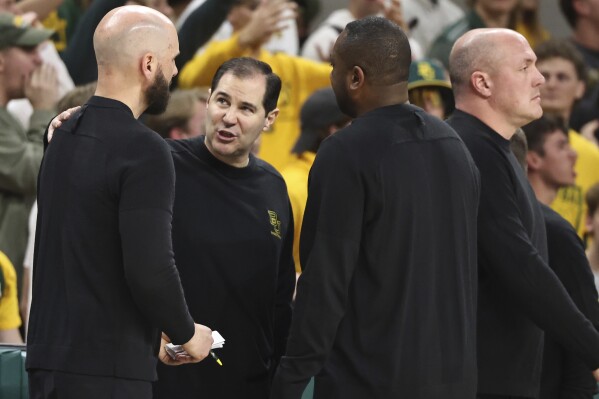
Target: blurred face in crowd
429, 99
16, 66
236, 117
556, 164
196, 124
562, 86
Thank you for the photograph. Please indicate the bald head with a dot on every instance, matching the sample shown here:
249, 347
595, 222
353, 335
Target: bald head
494, 77
478, 50
126, 33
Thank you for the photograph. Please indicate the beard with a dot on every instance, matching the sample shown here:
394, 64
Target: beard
158, 94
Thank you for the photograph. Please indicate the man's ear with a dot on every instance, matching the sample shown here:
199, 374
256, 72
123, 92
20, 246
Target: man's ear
356, 78
270, 119
481, 82
149, 65
533, 160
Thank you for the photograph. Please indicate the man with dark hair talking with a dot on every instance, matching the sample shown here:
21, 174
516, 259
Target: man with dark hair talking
233, 238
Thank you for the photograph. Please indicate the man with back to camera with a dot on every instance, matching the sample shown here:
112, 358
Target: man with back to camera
233, 239
496, 86
105, 283
386, 305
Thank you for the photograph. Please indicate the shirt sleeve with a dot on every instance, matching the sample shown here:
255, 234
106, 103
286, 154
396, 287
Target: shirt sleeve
145, 216
514, 263
329, 250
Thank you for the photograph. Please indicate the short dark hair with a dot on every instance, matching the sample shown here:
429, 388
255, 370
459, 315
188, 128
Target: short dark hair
562, 48
246, 67
381, 47
569, 12
537, 131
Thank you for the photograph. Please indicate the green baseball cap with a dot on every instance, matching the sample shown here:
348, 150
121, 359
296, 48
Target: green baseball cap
430, 74
14, 32
427, 73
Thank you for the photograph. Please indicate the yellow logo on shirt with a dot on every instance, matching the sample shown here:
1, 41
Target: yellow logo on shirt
276, 224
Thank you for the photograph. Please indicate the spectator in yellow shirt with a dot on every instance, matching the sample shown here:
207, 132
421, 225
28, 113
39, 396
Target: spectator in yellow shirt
10, 321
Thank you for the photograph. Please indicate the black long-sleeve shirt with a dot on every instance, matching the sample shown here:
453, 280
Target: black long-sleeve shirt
517, 291
386, 305
233, 240
104, 278
564, 375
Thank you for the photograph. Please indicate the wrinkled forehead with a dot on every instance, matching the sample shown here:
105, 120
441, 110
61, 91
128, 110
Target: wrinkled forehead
247, 87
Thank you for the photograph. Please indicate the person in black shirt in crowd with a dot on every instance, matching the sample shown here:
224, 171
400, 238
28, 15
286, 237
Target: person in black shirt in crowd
550, 164
496, 86
105, 283
386, 305
233, 239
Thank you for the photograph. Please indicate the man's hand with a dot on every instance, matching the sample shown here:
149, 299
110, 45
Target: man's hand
165, 357
58, 119
269, 18
596, 375
200, 344
41, 88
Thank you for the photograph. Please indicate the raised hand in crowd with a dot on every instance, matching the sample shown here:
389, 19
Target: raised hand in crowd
268, 19
41, 88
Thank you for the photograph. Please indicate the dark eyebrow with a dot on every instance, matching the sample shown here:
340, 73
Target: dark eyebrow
221, 93
249, 105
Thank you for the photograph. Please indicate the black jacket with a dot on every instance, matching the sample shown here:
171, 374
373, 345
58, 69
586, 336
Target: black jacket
104, 278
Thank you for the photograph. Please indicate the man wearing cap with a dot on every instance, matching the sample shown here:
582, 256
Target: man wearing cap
430, 89
22, 75
320, 117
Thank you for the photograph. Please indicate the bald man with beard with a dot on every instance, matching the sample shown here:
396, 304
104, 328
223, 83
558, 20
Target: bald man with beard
105, 283
496, 87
